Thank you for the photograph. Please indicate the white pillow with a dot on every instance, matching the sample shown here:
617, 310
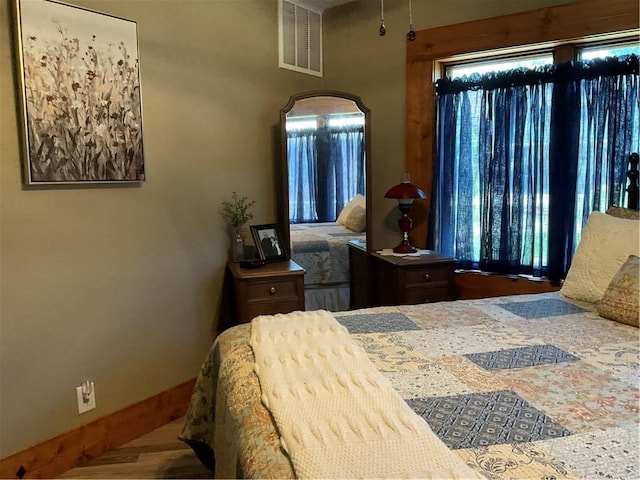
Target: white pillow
358, 200
605, 245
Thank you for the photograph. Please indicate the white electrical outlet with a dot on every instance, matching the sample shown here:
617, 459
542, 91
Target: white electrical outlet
86, 394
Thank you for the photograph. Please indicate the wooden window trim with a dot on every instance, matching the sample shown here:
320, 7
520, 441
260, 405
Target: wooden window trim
555, 25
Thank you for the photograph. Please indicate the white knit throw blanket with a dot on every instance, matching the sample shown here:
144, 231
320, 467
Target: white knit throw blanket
337, 415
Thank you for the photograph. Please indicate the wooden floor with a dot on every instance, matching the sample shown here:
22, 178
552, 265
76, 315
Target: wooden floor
158, 454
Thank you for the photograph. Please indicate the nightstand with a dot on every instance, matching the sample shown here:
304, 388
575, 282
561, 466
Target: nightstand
273, 288
413, 279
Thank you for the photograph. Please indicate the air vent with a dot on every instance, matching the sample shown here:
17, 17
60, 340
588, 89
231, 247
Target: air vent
300, 43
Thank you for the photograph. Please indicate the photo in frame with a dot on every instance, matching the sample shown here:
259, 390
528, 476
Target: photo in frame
269, 244
80, 95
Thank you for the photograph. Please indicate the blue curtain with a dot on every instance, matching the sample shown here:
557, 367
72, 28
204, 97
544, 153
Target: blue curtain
524, 156
302, 161
347, 167
326, 170
597, 104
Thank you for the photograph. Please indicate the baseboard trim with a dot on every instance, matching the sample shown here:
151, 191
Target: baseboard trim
59, 454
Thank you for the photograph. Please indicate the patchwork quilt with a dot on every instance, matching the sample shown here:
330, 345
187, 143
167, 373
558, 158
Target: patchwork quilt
520, 387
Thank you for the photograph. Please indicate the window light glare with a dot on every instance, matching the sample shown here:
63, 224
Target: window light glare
306, 124
457, 71
346, 121
609, 51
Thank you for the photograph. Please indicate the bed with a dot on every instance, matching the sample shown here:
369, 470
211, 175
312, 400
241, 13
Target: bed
542, 386
563, 381
321, 249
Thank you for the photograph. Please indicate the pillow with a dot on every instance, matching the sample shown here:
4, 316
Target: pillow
357, 219
605, 245
621, 298
621, 212
355, 201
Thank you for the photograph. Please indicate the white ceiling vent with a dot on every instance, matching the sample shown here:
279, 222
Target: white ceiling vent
300, 42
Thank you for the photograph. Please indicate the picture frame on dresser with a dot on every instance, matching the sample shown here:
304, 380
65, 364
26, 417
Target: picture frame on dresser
269, 243
80, 95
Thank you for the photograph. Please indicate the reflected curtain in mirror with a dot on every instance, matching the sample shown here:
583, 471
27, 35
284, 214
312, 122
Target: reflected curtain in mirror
303, 172
326, 167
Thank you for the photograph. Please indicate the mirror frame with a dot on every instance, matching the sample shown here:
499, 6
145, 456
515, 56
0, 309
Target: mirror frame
283, 207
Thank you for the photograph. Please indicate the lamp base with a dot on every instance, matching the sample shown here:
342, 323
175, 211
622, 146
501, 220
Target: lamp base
404, 247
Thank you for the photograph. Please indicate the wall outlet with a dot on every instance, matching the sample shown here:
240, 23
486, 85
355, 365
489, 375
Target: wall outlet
86, 395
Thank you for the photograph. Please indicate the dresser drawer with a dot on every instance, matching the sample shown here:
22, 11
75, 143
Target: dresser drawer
411, 280
274, 288
271, 289
426, 295
428, 275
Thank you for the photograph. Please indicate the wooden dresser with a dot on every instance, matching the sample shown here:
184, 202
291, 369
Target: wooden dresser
273, 288
377, 279
411, 280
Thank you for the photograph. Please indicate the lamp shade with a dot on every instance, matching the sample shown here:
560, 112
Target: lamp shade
405, 189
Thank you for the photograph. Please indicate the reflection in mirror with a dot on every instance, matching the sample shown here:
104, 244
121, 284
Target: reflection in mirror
326, 155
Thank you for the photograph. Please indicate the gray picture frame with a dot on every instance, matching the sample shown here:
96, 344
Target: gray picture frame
80, 95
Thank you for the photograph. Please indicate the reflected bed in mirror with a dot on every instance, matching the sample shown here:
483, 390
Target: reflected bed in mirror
325, 179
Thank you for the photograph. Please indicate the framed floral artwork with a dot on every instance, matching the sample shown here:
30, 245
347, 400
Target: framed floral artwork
81, 103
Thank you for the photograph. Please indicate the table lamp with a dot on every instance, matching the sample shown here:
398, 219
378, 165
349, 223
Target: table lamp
405, 192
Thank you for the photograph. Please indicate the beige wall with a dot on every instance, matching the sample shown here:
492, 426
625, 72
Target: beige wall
122, 285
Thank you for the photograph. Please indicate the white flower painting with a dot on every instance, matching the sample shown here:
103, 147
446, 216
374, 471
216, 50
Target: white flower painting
81, 95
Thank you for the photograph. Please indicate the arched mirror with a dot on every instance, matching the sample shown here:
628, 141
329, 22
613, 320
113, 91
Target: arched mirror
325, 137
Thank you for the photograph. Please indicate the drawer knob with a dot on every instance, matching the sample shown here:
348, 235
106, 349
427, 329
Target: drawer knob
272, 290
427, 277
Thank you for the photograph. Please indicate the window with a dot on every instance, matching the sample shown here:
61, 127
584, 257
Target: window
554, 27
611, 50
525, 151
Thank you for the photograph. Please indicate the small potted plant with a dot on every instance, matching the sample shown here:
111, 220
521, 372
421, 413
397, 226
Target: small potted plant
236, 214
